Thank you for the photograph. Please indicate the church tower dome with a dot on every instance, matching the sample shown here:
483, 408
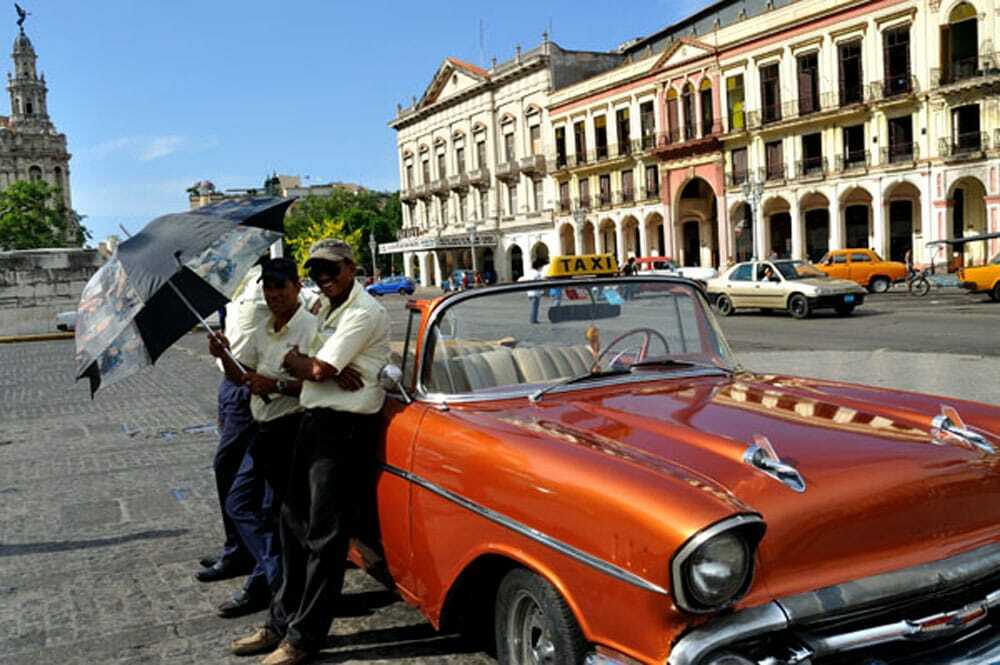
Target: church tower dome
28, 93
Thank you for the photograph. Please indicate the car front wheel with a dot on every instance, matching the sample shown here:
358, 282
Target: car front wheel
995, 293
798, 306
534, 625
879, 284
725, 305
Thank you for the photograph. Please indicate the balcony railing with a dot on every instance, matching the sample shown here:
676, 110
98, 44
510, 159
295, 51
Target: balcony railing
736, 178
440, 186
893, 86
852, 160
811, 167
986, 64
601, 152
458, 182
648, 140
650, 193
968, 144
507, 171
900, 153
771, 113
851, 94
624, 146
604, 199
532, 164
564, 205
479, 177
625, 196
583, 203
422, 191
407, 194
773, 172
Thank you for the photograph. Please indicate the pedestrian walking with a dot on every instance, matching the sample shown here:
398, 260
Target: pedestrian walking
255, 496
332, 461
534, 295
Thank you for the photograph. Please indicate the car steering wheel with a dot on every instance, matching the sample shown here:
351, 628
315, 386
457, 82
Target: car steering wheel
647, 333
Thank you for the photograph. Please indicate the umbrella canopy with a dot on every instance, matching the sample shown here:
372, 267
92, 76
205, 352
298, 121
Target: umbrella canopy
130, 311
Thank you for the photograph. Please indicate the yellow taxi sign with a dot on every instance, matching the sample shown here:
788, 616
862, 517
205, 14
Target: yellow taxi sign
583, 265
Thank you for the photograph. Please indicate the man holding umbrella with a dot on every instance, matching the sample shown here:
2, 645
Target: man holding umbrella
333, 456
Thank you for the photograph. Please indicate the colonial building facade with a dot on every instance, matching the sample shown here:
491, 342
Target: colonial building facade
784, 127
472, 160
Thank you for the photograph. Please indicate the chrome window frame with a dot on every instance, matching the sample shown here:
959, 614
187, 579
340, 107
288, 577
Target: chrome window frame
424, 395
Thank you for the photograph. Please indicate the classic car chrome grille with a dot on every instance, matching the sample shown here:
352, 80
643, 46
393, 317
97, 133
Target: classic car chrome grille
946, 613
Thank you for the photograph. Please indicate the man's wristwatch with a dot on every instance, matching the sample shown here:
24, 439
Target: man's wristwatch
281, 386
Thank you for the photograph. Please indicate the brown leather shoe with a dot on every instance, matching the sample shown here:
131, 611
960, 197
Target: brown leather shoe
286, 654
263, 639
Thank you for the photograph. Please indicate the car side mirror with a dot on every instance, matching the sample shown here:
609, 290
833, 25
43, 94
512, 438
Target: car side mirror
390, 377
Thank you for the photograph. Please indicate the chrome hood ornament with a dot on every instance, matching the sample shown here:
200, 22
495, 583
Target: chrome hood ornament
762, 456
949, 427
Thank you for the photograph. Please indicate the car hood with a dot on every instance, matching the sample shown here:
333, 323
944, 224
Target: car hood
827, 284
883, 491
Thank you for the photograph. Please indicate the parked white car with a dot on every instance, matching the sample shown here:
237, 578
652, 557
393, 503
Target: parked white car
662, 265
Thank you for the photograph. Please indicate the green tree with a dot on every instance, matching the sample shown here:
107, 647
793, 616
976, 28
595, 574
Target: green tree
365, 212
313, 231
34, 215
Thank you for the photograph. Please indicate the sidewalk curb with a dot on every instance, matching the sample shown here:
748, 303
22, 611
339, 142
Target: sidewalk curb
41, 337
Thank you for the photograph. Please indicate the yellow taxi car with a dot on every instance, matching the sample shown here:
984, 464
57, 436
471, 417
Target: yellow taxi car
795, 286
982, 279
863, 266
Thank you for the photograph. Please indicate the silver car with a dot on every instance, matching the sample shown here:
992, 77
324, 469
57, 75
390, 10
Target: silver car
795, 286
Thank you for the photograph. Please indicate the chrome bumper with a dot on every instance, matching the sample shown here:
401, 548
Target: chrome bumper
791, 613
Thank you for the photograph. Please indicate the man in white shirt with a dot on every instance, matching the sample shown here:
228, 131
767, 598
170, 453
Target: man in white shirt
534, 295
333, 458
275, 408
237, 430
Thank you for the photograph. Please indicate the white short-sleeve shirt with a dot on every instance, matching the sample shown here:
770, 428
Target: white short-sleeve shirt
356, 333
265, 352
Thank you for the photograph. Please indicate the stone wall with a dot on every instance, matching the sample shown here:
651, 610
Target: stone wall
37, 284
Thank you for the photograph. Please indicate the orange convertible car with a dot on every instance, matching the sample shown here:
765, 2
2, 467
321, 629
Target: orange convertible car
607, 485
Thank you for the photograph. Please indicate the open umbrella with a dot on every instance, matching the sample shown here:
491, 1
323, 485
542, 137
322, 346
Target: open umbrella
179, 269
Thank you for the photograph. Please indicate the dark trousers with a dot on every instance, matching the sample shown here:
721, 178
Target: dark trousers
254, 499
237, 431
331, 467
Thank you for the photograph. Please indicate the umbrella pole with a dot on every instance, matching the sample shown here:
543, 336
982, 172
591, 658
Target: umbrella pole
204, 323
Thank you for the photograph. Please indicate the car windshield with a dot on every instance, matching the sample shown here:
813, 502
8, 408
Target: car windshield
521, 339
798, 270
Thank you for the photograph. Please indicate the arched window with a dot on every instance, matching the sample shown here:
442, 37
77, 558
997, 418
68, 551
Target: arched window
28, 108
57, 175
34, 174
707, 110
687, 97
960, 44
17, 105
674, 126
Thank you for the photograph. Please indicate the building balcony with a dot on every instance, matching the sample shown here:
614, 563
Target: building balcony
647, 142
422, 191
811, 168
668, 145
623, 148
600, 153
564, 205
439, 186
894, 86
603, 199
532, 165
983, 66
625, 197
772, 173
583, 203
407, 194
855, 160
479, 178
900, 154
507, 171
650, 193
458, 182
969, 145
736, 178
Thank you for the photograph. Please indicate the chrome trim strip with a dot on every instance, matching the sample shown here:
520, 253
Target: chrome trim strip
518, 527
786, 612
699, 539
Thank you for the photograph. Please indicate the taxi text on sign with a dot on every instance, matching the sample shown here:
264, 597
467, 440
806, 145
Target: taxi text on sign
586, 264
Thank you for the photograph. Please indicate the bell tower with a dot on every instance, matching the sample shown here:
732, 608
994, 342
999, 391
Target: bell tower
28, 93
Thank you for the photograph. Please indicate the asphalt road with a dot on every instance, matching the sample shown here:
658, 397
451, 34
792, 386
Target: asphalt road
106, 505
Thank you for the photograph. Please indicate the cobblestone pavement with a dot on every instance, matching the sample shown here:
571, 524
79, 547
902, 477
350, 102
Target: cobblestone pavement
106, 506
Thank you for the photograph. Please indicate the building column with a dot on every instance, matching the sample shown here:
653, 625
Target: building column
668, 233
879, 222
526, 260
578, 238
798, 228
643, 248
407, 268
619, 242
836, 224
722, 221
993, 225
760, 235
436, 266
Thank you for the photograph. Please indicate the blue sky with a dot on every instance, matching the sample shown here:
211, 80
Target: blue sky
155, 95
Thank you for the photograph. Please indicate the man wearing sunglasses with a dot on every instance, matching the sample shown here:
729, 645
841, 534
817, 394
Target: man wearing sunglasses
333, 457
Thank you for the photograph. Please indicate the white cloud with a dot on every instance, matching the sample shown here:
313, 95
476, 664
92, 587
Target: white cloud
161, 146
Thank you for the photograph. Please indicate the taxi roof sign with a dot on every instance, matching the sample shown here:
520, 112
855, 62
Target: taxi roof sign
583, 265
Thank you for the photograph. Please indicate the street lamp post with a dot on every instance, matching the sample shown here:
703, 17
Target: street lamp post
373, 246
753, 192
471, 229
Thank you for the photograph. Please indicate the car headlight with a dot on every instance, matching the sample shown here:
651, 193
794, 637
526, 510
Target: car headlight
715, 567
